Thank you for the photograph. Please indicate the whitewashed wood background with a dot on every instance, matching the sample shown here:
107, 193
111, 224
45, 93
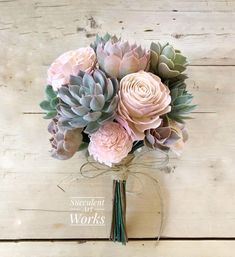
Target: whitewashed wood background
199, 195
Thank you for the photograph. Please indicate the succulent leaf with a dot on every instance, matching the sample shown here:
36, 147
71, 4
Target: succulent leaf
111, 107
80, 110
50, 104
110, 90
65, 111
102, 40
87, 103
97, 102
91, 127
50, 93
98, 89
85, 100
54, 102
99, 77
78, 122
74, 91
166, 61
92, 116
50, 115
88, 81
106, 117
45, 105
75, 80
180, 101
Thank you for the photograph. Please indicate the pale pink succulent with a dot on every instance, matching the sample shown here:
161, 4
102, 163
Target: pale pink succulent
110, 144
182, 131
143, 98
170, 135
70, 63
119, 58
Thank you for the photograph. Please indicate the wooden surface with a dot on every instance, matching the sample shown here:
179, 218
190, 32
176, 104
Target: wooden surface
198, 195
138, 249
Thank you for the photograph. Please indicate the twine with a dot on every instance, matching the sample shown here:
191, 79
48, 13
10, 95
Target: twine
127, 167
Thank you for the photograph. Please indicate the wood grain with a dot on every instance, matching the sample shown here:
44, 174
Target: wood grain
144, 248
48, 28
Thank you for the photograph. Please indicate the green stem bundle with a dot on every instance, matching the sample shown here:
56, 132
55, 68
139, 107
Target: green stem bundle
118, 227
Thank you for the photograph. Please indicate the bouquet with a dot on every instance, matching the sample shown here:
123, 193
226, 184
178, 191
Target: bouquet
114, 97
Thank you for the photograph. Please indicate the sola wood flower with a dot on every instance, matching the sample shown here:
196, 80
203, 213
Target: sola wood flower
119, 58
143, 98
170, 135
110, 144
70, 63
64, 143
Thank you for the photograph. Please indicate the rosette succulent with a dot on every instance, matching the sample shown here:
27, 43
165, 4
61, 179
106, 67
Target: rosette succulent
119, 58
65, 143
88, 101
170, 135
166, 61
103, 40
161, 137
180, 101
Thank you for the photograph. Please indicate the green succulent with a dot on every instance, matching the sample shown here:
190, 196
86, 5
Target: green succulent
180, 101
50, 104
166, 61
175, 83
102, 40
88, 101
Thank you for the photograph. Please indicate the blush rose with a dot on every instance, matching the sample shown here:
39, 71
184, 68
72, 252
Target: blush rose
70, 63
143, 98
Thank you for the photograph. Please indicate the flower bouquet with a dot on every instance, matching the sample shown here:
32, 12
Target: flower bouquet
112, 98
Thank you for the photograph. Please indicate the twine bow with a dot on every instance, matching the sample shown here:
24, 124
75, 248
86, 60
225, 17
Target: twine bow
127, 167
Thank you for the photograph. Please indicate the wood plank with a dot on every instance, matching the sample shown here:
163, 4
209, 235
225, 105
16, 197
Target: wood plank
143, 248
154, 5
42, 33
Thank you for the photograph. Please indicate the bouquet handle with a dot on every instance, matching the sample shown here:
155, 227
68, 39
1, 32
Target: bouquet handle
118, 226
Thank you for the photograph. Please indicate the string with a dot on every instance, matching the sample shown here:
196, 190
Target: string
122, 170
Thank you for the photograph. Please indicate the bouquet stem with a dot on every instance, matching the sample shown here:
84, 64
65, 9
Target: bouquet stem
118, 226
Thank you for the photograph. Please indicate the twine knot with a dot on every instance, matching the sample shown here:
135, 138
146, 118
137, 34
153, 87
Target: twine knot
120, 172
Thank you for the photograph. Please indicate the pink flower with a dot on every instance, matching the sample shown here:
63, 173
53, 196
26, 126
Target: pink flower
110, 144
70, 63
143, 98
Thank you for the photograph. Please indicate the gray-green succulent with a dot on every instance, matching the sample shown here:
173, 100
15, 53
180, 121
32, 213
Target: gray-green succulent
49, 105
180, 101
166, 61
88, 101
